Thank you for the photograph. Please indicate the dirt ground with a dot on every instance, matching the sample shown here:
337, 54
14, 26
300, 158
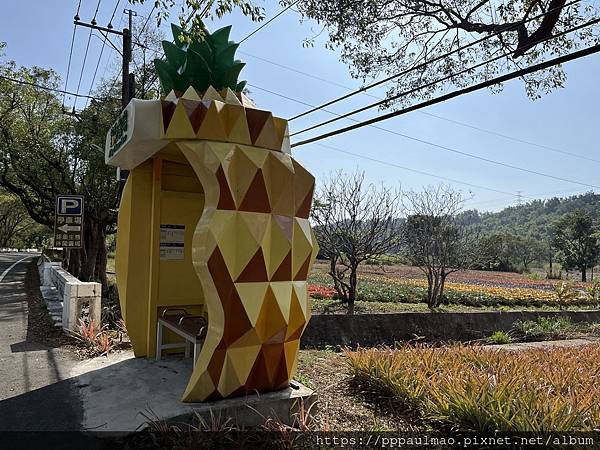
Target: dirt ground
342, 406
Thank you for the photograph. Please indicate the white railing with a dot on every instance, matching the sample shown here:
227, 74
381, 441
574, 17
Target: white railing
74, 295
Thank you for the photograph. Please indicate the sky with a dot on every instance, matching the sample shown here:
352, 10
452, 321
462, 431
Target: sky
566, 120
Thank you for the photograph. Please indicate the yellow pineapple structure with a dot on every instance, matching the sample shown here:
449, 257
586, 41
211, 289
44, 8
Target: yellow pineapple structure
222, 169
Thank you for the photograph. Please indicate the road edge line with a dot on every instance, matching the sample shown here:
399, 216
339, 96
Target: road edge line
11, 267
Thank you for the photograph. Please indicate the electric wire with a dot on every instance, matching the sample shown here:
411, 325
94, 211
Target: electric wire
409, 169
501, 79
426, 63
71, 54
269, 21
87, 48
439, 80
46, 88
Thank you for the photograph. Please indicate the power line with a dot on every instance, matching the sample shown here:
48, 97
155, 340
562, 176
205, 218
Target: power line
102, 49
71, 52
426, 63
501, 79
439, 80
87, 48
420, 172
269, 21
512, 138
46, 88
442, 147
437, 116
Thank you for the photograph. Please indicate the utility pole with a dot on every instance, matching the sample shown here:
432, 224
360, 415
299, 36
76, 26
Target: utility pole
128, 79
519, 198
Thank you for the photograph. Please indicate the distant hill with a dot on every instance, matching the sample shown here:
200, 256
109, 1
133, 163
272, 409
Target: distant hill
532, 219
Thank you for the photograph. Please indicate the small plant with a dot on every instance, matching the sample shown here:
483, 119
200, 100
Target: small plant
97, 341
551, 275
565, 294
593, 290
544, 327
500, 338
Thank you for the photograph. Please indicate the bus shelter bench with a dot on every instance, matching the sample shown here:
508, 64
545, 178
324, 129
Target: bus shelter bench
191, 328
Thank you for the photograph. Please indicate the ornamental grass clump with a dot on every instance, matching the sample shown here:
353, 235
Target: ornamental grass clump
485, 390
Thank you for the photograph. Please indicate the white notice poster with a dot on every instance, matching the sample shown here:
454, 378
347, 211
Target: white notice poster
172, 238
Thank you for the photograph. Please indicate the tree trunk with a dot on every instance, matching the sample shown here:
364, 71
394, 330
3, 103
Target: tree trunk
92, 240
101, 263
333, 274
74, 262
66, 253
352, 290
434, 290
584, 274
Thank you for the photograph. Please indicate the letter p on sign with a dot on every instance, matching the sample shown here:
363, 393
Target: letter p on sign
70, 206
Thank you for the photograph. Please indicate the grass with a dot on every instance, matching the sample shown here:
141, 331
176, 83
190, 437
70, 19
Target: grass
548, 328
332, 306
477, 389
500, 338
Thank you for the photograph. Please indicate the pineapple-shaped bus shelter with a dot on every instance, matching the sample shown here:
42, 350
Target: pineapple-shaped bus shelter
213, 218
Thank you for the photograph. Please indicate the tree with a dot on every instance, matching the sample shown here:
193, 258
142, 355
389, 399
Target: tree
14, 220
45, 152
575, 238
495, 251
387, 37
192, 12
434, 239
526, 250
354, 222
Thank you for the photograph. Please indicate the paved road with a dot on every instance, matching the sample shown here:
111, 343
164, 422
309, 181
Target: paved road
34, 391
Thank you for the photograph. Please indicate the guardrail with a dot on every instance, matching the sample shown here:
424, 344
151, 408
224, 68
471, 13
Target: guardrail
67, 298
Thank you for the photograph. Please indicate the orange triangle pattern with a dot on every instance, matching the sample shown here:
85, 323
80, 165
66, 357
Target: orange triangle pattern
223, 121
261, 248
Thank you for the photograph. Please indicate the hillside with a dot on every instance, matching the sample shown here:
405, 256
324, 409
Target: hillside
533, 218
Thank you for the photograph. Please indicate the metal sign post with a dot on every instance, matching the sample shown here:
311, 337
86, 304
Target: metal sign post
68, 221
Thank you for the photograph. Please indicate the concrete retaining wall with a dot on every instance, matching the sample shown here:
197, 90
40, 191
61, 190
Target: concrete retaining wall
66, 297
369, 330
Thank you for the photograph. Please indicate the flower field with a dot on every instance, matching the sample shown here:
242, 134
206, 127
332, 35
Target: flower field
481, 390
401, 284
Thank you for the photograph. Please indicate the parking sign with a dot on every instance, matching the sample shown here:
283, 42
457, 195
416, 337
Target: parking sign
68, 221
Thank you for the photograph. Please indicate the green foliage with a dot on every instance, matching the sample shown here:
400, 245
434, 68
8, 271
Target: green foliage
499, 338
45, 152
565, 293
200, 62
574, 235
548, 327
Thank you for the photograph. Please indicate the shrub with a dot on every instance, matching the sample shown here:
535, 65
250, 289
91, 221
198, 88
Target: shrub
483, 390
500, 337
565, 293
95, 340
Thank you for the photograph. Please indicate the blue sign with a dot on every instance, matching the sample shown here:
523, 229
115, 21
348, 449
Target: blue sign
69, 205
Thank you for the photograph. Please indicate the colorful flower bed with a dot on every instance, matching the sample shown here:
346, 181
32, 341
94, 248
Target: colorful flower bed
393, 288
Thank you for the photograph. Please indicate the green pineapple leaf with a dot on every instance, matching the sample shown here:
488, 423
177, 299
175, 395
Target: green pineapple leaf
175, 56
226, 54
240, 86
231, 75
200, 62
221, 36
164, 74
178, 35
197, 71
